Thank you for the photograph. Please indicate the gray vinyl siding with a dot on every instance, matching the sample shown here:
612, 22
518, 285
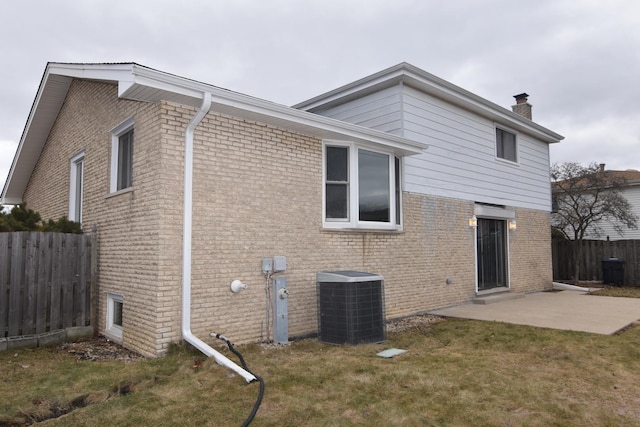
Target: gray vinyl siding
632, 195
461, 161
380, 111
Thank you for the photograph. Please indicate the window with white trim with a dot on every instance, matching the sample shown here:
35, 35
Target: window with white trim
115, 305
506, 147
77, 187
362, 187
122, 156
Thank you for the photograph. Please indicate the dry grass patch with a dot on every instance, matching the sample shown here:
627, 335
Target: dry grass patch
455, 373
617, 291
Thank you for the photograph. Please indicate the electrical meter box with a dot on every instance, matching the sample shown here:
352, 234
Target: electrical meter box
279, 263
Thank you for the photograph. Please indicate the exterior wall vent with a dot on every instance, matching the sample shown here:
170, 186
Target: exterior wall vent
350, 307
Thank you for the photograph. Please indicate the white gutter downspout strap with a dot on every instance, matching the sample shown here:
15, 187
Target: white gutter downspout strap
186, 248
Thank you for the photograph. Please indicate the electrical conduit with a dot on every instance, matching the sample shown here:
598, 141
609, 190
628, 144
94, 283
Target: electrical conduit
186, 248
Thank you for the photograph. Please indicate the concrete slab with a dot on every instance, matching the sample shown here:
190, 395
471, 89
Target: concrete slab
568, 310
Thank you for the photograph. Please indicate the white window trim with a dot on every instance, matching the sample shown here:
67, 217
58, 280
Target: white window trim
353, 222
73, 195
112, 329
497, 126
116, 132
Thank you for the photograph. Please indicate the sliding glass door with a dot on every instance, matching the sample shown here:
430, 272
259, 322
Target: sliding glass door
492, 253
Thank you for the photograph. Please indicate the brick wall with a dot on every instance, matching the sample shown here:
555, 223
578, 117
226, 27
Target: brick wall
257, 193
127, 223
530, 252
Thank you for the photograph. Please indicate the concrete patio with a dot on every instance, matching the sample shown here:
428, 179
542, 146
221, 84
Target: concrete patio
567, 309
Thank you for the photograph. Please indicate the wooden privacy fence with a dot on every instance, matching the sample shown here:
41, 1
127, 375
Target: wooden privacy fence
593, 253
45, 287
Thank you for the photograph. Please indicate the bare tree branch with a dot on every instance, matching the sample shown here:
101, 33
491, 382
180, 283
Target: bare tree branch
584, 198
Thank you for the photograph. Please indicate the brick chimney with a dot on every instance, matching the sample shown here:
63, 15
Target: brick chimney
522, 107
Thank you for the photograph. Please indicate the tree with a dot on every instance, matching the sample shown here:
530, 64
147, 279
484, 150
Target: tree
584, 197
20, 218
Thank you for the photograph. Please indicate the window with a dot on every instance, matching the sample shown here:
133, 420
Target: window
76, 189
362, 188
114, 315
506, 145
122, 156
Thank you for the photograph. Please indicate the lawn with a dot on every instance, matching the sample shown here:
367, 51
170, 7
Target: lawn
617, 291
454, 373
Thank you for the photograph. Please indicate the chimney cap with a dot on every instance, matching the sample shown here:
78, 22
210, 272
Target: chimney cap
521, 98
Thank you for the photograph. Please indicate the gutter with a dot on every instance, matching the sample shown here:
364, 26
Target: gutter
186, 248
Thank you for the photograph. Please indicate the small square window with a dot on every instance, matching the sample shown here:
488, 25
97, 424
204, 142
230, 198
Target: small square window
115, 307
506, 145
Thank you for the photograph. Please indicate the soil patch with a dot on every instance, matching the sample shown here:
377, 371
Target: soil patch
100, 349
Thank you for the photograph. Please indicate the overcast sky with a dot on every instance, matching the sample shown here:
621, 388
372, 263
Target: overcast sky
579, 60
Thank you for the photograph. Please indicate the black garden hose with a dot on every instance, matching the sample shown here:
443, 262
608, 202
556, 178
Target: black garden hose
244, 366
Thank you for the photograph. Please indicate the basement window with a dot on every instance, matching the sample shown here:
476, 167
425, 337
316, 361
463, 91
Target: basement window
115, 306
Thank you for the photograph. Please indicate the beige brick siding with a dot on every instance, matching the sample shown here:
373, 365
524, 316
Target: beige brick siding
530, 252
128, 223
257, 193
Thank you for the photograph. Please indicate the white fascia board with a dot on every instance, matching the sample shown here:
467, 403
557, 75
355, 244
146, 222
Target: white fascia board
44, 111
269, 112
105, 72
39, 122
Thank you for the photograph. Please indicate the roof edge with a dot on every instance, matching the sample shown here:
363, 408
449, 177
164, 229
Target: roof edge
430, 84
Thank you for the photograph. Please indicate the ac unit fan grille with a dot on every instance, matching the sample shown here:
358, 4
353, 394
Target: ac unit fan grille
351, 312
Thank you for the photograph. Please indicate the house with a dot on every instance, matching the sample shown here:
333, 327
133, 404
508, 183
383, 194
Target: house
190, 186
611, 229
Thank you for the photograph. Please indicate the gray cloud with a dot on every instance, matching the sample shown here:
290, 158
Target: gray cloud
579, 61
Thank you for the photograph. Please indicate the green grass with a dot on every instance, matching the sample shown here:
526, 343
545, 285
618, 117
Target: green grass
455, 373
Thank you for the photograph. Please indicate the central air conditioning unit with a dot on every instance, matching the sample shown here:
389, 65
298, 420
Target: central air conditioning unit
350, 307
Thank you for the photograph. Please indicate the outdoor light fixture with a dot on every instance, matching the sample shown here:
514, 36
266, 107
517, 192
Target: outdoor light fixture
473, 222
512, 224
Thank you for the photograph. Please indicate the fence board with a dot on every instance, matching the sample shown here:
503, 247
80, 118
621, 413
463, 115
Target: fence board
45, 282
42, 319
29, 297
15, 285
56, 277
69, 273
5, 260
594, 252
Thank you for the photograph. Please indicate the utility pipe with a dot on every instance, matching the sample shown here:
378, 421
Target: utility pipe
186, 248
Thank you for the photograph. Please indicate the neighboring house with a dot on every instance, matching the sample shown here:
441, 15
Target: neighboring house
606, 230
401, 174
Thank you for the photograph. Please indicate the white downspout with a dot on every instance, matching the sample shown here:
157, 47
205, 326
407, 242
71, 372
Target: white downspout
186, 248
